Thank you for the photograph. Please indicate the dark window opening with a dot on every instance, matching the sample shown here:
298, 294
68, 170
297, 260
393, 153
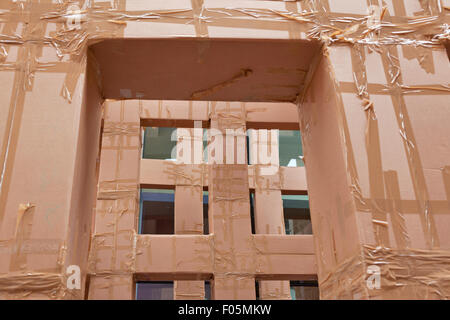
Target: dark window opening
304, 290
299, 290
247, 145
157, 211
154, 290
257, 289
205, 213
159, 143
297, 219
252, 212
207, 290
290, 148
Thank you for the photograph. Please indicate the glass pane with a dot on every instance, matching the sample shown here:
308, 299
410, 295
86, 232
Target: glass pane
157, 211
207, 290
257, 289
205, 213
290, 146
297, 218
304, 290
252, 212
159, 142
205, 145
300, 290
154, 290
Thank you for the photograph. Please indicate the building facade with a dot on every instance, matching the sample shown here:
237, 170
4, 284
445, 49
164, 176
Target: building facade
93, 206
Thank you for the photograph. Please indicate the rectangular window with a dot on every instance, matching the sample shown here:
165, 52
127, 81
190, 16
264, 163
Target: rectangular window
159, 143
252, 212
290, 148
154, 290
205, 213
300, 290
304, 290
157, 211
257, 289
205, 145
207, 290
297, 218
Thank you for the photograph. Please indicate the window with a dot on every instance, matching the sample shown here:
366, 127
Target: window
297, 219
154, 290
205, 213
290, 148
252, 212
207, 290
257, 289
157, 211
300, 290
160, 143
162, 290
205, 145
304, 290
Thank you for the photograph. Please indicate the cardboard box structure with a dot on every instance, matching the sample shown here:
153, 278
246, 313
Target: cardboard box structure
383, 207
369, 81
230, 254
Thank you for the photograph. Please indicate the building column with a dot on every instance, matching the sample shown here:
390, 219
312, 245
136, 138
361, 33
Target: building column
189, 204
377, 186
49, 132
111, 264
269, 217
229, 204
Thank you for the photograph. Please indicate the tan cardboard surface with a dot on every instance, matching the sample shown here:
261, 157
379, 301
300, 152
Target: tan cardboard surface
392, 194
387, 174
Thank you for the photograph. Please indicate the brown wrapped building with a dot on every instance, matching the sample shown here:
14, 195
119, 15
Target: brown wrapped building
224, 149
